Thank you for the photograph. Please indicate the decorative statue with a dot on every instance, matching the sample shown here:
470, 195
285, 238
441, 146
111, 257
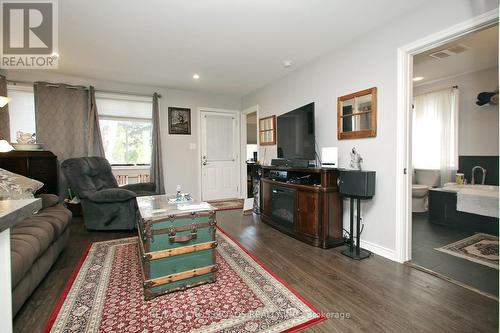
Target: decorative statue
26, 138
356, 159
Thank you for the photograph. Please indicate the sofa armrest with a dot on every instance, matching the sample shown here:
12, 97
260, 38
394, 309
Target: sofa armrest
48, 200
111, 195
142, 187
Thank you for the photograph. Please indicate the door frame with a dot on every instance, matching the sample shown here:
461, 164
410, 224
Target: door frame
403, 137
236, 113
243, 143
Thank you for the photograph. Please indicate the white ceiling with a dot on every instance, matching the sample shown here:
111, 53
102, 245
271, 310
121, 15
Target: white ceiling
236, 46
483, 54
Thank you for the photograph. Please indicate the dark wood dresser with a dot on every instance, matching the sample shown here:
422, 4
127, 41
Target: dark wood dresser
303, 203
39, 165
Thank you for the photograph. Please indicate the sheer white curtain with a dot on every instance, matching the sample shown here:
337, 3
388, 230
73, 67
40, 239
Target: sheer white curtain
435, 137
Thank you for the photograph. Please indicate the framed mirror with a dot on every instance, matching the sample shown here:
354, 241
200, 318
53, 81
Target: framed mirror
357, 115
267, 131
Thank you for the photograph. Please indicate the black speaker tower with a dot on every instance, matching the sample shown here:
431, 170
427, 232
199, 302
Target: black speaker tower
356, 185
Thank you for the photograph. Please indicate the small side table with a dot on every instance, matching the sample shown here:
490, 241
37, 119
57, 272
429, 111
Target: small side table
11, 212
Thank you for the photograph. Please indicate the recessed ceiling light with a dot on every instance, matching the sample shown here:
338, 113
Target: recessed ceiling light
287, 63
418, 78
196, 76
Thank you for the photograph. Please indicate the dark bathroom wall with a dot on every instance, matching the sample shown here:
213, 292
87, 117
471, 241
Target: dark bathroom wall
490, 163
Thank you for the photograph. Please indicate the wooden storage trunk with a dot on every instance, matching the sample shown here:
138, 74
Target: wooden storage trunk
176, 247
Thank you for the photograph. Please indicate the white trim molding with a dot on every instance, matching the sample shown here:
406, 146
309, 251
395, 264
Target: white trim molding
379, 250
404, 103
243, 147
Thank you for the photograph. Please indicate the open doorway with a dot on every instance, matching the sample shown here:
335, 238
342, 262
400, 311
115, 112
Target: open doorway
454, 161
249, 150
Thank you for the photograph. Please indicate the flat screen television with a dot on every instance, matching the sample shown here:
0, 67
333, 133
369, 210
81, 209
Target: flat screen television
296, 134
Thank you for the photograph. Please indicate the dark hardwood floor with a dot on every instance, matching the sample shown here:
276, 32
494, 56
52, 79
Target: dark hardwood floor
427, 237
378, 295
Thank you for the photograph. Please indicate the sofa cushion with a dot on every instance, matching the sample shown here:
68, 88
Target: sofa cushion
14, 186
57, 216
31, 237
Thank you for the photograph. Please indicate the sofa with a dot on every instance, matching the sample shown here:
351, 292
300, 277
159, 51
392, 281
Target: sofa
36, 243
105, 205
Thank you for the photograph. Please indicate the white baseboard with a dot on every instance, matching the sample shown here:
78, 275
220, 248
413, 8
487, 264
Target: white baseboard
380, 250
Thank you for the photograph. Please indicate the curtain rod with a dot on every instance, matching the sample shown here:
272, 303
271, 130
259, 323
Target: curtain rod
435, 90
69, 86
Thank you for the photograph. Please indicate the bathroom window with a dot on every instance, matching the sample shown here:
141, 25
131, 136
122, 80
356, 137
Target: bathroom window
435, 137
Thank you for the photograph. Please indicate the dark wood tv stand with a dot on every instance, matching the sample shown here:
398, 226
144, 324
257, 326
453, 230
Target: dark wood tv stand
310, 211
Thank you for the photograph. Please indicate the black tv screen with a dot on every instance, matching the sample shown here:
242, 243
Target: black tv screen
296, 134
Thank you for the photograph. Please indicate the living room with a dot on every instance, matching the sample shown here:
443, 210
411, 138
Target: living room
186, 74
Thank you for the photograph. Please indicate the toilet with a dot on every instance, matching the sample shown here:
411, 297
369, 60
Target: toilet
423, 180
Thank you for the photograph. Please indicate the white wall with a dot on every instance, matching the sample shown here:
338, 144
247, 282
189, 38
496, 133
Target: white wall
370, 61
478, 125
180, 162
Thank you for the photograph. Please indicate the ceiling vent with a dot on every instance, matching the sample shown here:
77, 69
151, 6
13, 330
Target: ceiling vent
450, 51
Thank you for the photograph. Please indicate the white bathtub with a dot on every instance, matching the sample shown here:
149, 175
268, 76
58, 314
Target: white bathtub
476, 199
455, 188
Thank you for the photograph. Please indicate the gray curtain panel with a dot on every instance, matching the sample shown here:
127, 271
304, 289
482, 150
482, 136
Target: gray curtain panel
4, 112
94, 138
156, 172
62, 122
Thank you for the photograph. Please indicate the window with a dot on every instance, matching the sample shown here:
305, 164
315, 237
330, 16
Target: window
126, 128
21, 110
435, 129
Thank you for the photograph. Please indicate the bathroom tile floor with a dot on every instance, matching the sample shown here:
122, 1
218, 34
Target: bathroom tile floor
427, 236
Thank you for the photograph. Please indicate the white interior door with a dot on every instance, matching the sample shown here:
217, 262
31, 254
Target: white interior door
219, 155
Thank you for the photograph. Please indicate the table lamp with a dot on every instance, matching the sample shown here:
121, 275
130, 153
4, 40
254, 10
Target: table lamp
3, 101
5, 146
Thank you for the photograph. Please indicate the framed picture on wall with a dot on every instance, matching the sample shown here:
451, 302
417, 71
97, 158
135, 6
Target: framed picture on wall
179, 120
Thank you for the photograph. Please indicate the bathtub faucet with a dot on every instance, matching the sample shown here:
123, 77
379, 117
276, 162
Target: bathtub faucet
483, 170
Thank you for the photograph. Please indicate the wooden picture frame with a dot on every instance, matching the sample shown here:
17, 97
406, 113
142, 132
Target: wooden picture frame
357, 115
179, 121
267, 131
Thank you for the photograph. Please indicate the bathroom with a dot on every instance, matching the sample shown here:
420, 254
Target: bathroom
455, 146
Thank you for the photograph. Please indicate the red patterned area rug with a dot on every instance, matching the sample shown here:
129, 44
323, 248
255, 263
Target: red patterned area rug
105, 295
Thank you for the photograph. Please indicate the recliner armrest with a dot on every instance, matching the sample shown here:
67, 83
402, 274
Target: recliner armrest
143, 187
111, 195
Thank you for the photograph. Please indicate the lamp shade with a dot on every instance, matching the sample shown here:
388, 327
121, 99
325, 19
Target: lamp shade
5, 146
330, 157
3, 101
